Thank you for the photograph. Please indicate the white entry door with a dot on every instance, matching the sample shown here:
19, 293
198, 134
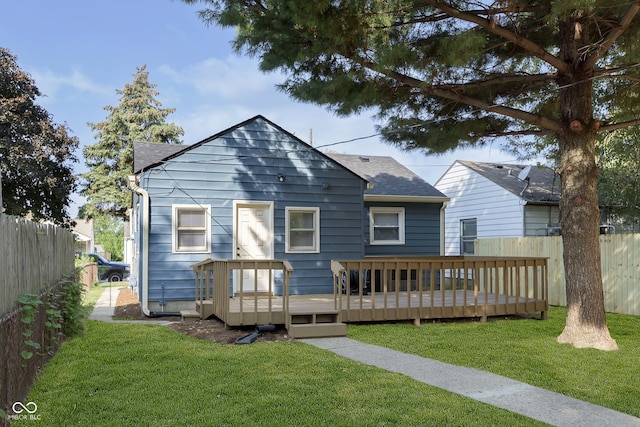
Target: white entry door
254, 240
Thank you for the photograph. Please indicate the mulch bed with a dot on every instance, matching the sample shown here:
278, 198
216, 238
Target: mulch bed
128, 308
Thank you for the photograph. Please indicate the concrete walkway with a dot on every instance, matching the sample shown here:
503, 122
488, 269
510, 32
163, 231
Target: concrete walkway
537, 403
533, 402
103, 310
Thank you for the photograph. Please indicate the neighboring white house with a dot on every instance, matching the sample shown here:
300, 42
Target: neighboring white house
497, 200
83, 231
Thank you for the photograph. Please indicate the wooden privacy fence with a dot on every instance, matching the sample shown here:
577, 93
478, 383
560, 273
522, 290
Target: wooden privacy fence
620, 262
32, 257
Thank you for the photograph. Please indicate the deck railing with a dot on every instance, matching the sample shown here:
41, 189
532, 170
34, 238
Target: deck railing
395, 288
252, 283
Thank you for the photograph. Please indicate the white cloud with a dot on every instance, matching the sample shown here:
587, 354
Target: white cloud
232, 78
51, 84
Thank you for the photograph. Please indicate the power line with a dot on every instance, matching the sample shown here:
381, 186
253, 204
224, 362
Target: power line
378, 134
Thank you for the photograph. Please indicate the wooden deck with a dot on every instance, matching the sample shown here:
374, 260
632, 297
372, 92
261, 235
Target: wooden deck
405, 306
379, 289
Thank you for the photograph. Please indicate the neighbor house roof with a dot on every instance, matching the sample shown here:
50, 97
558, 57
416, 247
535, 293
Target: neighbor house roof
150, 153
541, 185
83, 228
391, 180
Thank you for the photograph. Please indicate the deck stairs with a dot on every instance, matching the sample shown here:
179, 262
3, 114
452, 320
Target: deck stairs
302, 323
188, 316
311, 324
205, 308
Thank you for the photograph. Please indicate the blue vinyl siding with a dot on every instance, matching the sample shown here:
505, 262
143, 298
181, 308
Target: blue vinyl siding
244, 165
422, 230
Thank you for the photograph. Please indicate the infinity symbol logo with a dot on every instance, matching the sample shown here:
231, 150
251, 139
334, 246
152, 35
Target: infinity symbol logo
20, 407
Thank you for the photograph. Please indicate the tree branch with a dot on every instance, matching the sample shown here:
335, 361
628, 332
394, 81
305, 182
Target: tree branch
611, 70
528, 79
534, 119
621, 125
516, 133
490, 26
443, 16
612, 36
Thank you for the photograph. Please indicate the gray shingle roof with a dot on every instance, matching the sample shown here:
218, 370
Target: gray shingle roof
146, 154
389, 178
543, 185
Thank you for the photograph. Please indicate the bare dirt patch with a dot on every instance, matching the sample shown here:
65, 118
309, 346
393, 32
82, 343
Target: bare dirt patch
128, 308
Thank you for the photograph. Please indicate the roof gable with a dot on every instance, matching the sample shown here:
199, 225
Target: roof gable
149, 155
542, 185
388, 176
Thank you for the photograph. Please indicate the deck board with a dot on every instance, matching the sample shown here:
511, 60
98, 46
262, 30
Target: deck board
392, 306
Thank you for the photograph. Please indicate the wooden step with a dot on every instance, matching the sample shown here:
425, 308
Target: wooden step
306, 317
311, 324
189, 315
205, 309
317, 330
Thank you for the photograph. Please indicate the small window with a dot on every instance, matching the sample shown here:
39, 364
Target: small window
468, 233
191, 231
302, 230
386, 226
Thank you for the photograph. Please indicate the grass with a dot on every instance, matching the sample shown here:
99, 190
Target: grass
526, 350
123, 374
144, 375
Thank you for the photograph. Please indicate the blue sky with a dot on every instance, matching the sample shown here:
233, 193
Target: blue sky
79, 52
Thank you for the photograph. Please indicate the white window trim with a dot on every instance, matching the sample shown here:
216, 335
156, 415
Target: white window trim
399, 212
206, 249
464, 238
316, 235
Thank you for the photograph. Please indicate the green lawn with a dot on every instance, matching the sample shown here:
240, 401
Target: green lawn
144, 375
526, 350
147, 375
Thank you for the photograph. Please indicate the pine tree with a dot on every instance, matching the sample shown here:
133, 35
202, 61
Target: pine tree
36, 155
138, 117
619, 181
445, 73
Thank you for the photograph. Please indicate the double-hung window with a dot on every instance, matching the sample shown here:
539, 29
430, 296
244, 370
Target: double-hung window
468, 233
302, 230
386, 226
191, 229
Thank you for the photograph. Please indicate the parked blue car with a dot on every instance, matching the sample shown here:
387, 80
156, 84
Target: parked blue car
109, 271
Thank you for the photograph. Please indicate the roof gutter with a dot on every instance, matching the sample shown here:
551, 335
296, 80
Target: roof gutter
412, 199
145, 244
442, 224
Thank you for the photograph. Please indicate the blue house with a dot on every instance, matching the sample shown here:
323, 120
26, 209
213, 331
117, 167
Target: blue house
255, 191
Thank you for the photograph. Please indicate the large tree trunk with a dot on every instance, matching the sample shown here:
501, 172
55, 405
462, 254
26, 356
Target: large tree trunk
586, 324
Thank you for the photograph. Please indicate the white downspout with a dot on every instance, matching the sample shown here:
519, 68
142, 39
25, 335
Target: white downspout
145, 244
442, 227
